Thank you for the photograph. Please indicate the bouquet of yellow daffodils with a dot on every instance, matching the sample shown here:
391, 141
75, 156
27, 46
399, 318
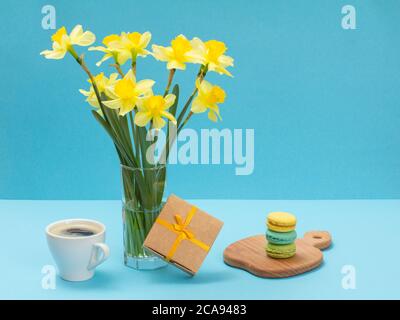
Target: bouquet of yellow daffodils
128, 109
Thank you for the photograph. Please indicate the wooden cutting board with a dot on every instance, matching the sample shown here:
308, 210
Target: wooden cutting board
249, 254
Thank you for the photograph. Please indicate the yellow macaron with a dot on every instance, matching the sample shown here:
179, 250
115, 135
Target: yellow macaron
281, 221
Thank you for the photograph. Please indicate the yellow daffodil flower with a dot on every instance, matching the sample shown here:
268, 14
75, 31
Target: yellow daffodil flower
63, 42
208, 98
112, 49
104, 85
127, 92
212, 55
154, 108
131, 44
179, 53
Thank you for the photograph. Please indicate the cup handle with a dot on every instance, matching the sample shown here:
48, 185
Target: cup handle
94, 260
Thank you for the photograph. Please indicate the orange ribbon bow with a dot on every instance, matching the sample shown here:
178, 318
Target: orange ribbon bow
180, 228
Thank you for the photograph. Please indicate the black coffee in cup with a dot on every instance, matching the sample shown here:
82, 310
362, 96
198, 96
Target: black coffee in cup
77, 232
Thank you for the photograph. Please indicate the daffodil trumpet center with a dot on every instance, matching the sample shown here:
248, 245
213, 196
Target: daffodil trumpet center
125, 89
156, 105
181, 46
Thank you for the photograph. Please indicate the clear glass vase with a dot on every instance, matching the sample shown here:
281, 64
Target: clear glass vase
143, 189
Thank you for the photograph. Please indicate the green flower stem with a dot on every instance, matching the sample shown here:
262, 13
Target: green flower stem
117, 66
200, 76
170, 77
133, 221
134, 68
82, 63
186, 106
137, 226
133, 65
185, 121
118, 129
135, 137
133, 236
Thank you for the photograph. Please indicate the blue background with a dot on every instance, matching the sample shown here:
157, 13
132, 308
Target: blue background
323, 101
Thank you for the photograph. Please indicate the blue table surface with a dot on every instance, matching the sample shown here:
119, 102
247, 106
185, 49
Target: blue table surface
365, 236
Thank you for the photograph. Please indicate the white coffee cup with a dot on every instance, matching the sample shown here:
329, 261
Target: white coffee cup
77, 254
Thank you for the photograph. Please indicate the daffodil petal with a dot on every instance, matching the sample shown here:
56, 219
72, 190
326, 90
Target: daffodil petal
198, 45
198, 52
162, 53
169, 116
143, 86
80, 38
129, 75
76, 32
198, 106
92, 100
145, 39
105, 57
84, 92
158, 122
169, 100
218, 69
143, 52
113, 104
212, 116
126, 106
140, 104
194, 56
51, 54
176, 65
99, 48
226, 61
87, 39
109, 91
115, 45
214, 108
123, 57
148, 93
204, 86
113, 77
125, 109
142, 118
110, 86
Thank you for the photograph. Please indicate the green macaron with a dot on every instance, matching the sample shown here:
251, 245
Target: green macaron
283, 251
280, 237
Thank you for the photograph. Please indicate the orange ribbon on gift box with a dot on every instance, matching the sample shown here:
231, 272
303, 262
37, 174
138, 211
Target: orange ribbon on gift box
181, 229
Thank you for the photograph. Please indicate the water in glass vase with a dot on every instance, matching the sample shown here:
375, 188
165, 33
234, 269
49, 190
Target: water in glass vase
143, 189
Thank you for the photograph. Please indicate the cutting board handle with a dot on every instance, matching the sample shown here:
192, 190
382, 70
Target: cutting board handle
318, 239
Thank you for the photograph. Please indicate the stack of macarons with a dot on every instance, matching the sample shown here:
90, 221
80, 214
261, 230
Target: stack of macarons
281, 235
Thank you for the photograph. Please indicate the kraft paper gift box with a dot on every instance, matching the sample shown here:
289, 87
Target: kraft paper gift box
183, 234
